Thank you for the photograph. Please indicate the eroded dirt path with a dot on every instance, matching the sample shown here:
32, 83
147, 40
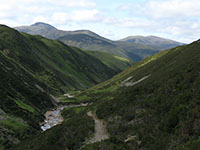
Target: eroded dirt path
101, 132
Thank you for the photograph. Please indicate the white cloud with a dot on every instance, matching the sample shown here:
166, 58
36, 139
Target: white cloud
50, 11
60, 18
132, 23
173, 8
74, 3
164, 8
64, 3
86, 15
79, 16
108, 34
40, 19
180, 19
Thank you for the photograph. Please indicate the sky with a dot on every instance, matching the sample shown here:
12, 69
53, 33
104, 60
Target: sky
114, 19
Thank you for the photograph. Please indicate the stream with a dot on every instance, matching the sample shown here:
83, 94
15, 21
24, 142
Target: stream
54, 117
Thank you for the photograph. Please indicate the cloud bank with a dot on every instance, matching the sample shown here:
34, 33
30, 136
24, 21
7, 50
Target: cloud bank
176, 19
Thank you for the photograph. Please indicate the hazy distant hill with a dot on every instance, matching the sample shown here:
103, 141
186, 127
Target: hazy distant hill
152, 40
51, 32
89, 40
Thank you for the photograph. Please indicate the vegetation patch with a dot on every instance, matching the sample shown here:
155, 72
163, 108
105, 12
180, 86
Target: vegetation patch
24, 106
14, 124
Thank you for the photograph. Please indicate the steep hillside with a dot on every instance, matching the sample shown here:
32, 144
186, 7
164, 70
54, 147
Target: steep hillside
23, 101
32, 70
113, 61
152, 105
91, 41
62, 67
161, 43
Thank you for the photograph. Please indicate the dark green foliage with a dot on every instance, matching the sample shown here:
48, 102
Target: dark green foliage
160, 112
59, 66
110, 144
71, 134
20, 98
32, 68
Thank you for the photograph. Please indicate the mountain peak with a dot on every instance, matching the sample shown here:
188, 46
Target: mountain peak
42, 24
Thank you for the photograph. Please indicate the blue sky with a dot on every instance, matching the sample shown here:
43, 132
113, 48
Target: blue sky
115, 19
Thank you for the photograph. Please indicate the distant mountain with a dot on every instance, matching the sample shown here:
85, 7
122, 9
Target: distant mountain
48, 31
91, 41
152, 40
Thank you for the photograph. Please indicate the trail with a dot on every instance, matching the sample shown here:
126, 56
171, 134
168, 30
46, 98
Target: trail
101, 132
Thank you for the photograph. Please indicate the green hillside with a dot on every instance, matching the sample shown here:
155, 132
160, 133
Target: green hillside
23, 101
112, 61
62, 67
152, 105
33, 70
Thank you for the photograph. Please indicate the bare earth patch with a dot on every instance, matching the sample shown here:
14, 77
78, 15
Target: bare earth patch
101, 132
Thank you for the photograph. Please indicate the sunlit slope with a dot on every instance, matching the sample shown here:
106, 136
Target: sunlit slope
62, 67
113, 61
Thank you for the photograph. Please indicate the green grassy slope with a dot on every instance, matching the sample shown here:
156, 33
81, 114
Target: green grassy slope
22, 102
33, 68
70, 134
113, 61
152, 105
159, 112
63, 68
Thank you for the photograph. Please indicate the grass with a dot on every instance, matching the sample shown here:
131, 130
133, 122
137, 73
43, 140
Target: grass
14, 124
78, 110
161, 111
61, 67
24, 106
70, 134
31, 68
115, 62
122, 58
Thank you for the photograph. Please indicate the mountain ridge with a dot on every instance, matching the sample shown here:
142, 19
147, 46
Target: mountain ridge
79, 38
152, 40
